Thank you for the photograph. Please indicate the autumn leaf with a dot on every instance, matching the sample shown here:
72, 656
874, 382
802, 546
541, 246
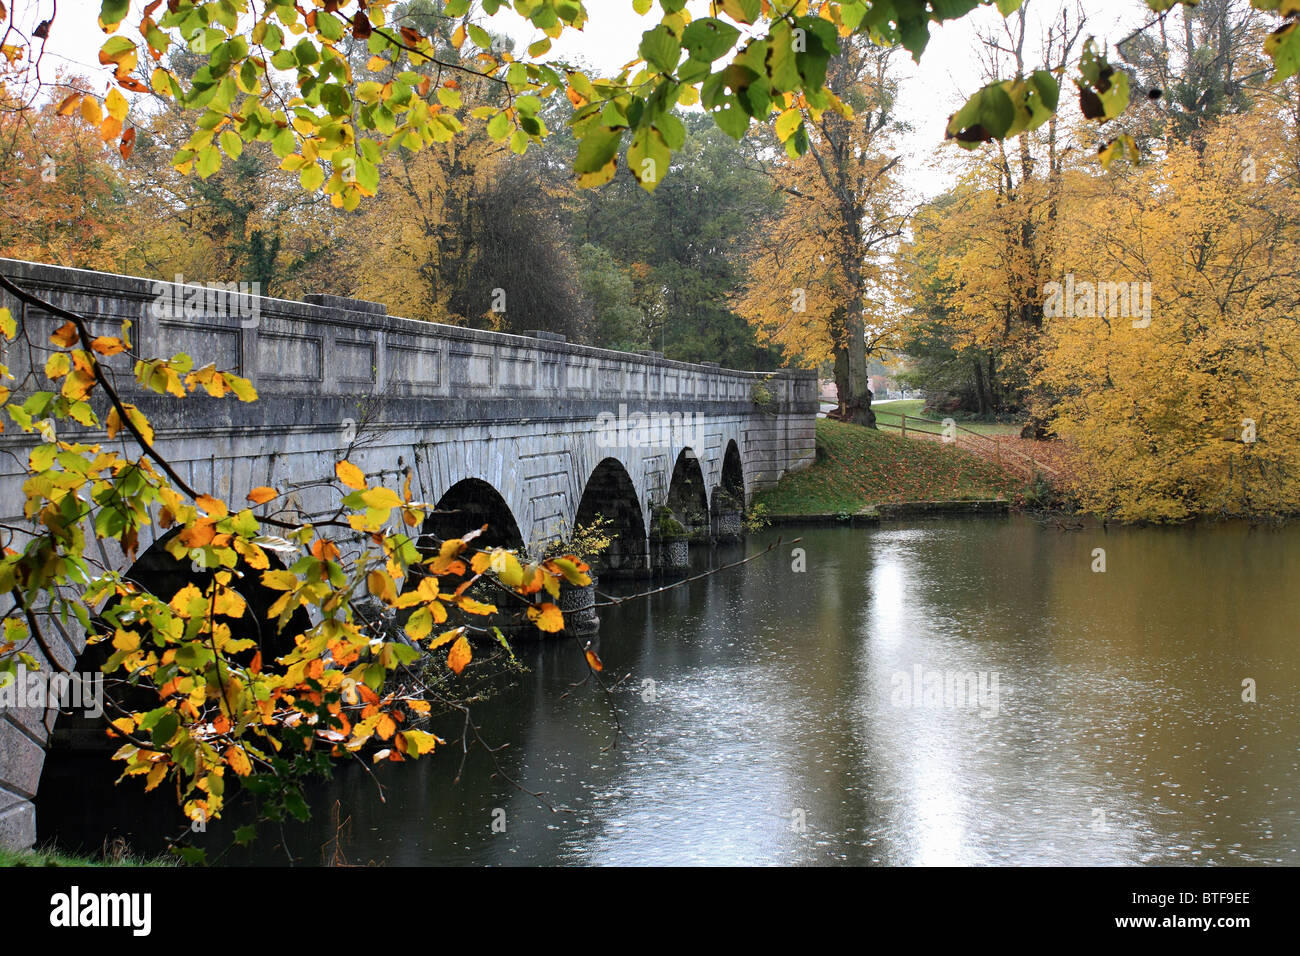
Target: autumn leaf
324, 549
213, 506
459, 655
547, 617
65, 336
593, 661
446, 637
107, 345
263, 494
350, 475
420, 742
238, 760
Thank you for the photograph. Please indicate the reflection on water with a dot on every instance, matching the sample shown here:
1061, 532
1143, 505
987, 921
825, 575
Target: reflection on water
768, 724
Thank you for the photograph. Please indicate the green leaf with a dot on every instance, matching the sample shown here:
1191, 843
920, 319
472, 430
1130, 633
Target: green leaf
672, 130
648, 158
498, 126
661, 49
742, 11
986, 116
311, 177
165, 728
709, 38
732, 120
231, 144
207, 162
1283, 46
597, 156
113, 12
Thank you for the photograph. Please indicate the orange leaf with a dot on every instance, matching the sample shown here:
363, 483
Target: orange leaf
198, 536
547, 617
350, 475
593, 661
107, 345
324, 550
238, 760
213, 506
459, 655
65, 336
263, 494
110, 129
127, 144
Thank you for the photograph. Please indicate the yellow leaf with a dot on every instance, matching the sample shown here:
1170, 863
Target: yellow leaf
420, 742
446, 637
383, 498
280, 580
57, 365
115, 103
90, 111
470, 606
593, 661
419, 624
229, 603
125, 724
350, 475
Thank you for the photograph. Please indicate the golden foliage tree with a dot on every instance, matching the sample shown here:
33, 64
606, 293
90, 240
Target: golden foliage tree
815, 275
1187, 408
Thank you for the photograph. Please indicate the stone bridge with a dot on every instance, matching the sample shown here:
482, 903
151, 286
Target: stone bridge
527, 434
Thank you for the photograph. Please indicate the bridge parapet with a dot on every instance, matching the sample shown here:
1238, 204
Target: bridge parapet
338, 348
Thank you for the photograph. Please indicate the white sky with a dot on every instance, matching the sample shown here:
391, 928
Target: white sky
949, 70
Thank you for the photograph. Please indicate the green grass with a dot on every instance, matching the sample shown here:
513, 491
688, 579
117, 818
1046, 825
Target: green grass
46, 856
890, 413
858, 467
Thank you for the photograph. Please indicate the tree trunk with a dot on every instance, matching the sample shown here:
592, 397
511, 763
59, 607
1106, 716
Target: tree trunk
982, 400
852, 384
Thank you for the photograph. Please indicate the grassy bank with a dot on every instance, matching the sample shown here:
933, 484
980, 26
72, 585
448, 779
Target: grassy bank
858, 467
46, 856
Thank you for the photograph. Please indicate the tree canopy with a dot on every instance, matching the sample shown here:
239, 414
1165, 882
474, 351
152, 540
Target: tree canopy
285, 75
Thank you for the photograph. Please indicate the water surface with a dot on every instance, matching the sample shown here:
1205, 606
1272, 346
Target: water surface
767, 723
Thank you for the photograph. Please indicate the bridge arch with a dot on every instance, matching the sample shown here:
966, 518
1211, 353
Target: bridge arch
469, 504
611, 494
727, 503
688, 498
